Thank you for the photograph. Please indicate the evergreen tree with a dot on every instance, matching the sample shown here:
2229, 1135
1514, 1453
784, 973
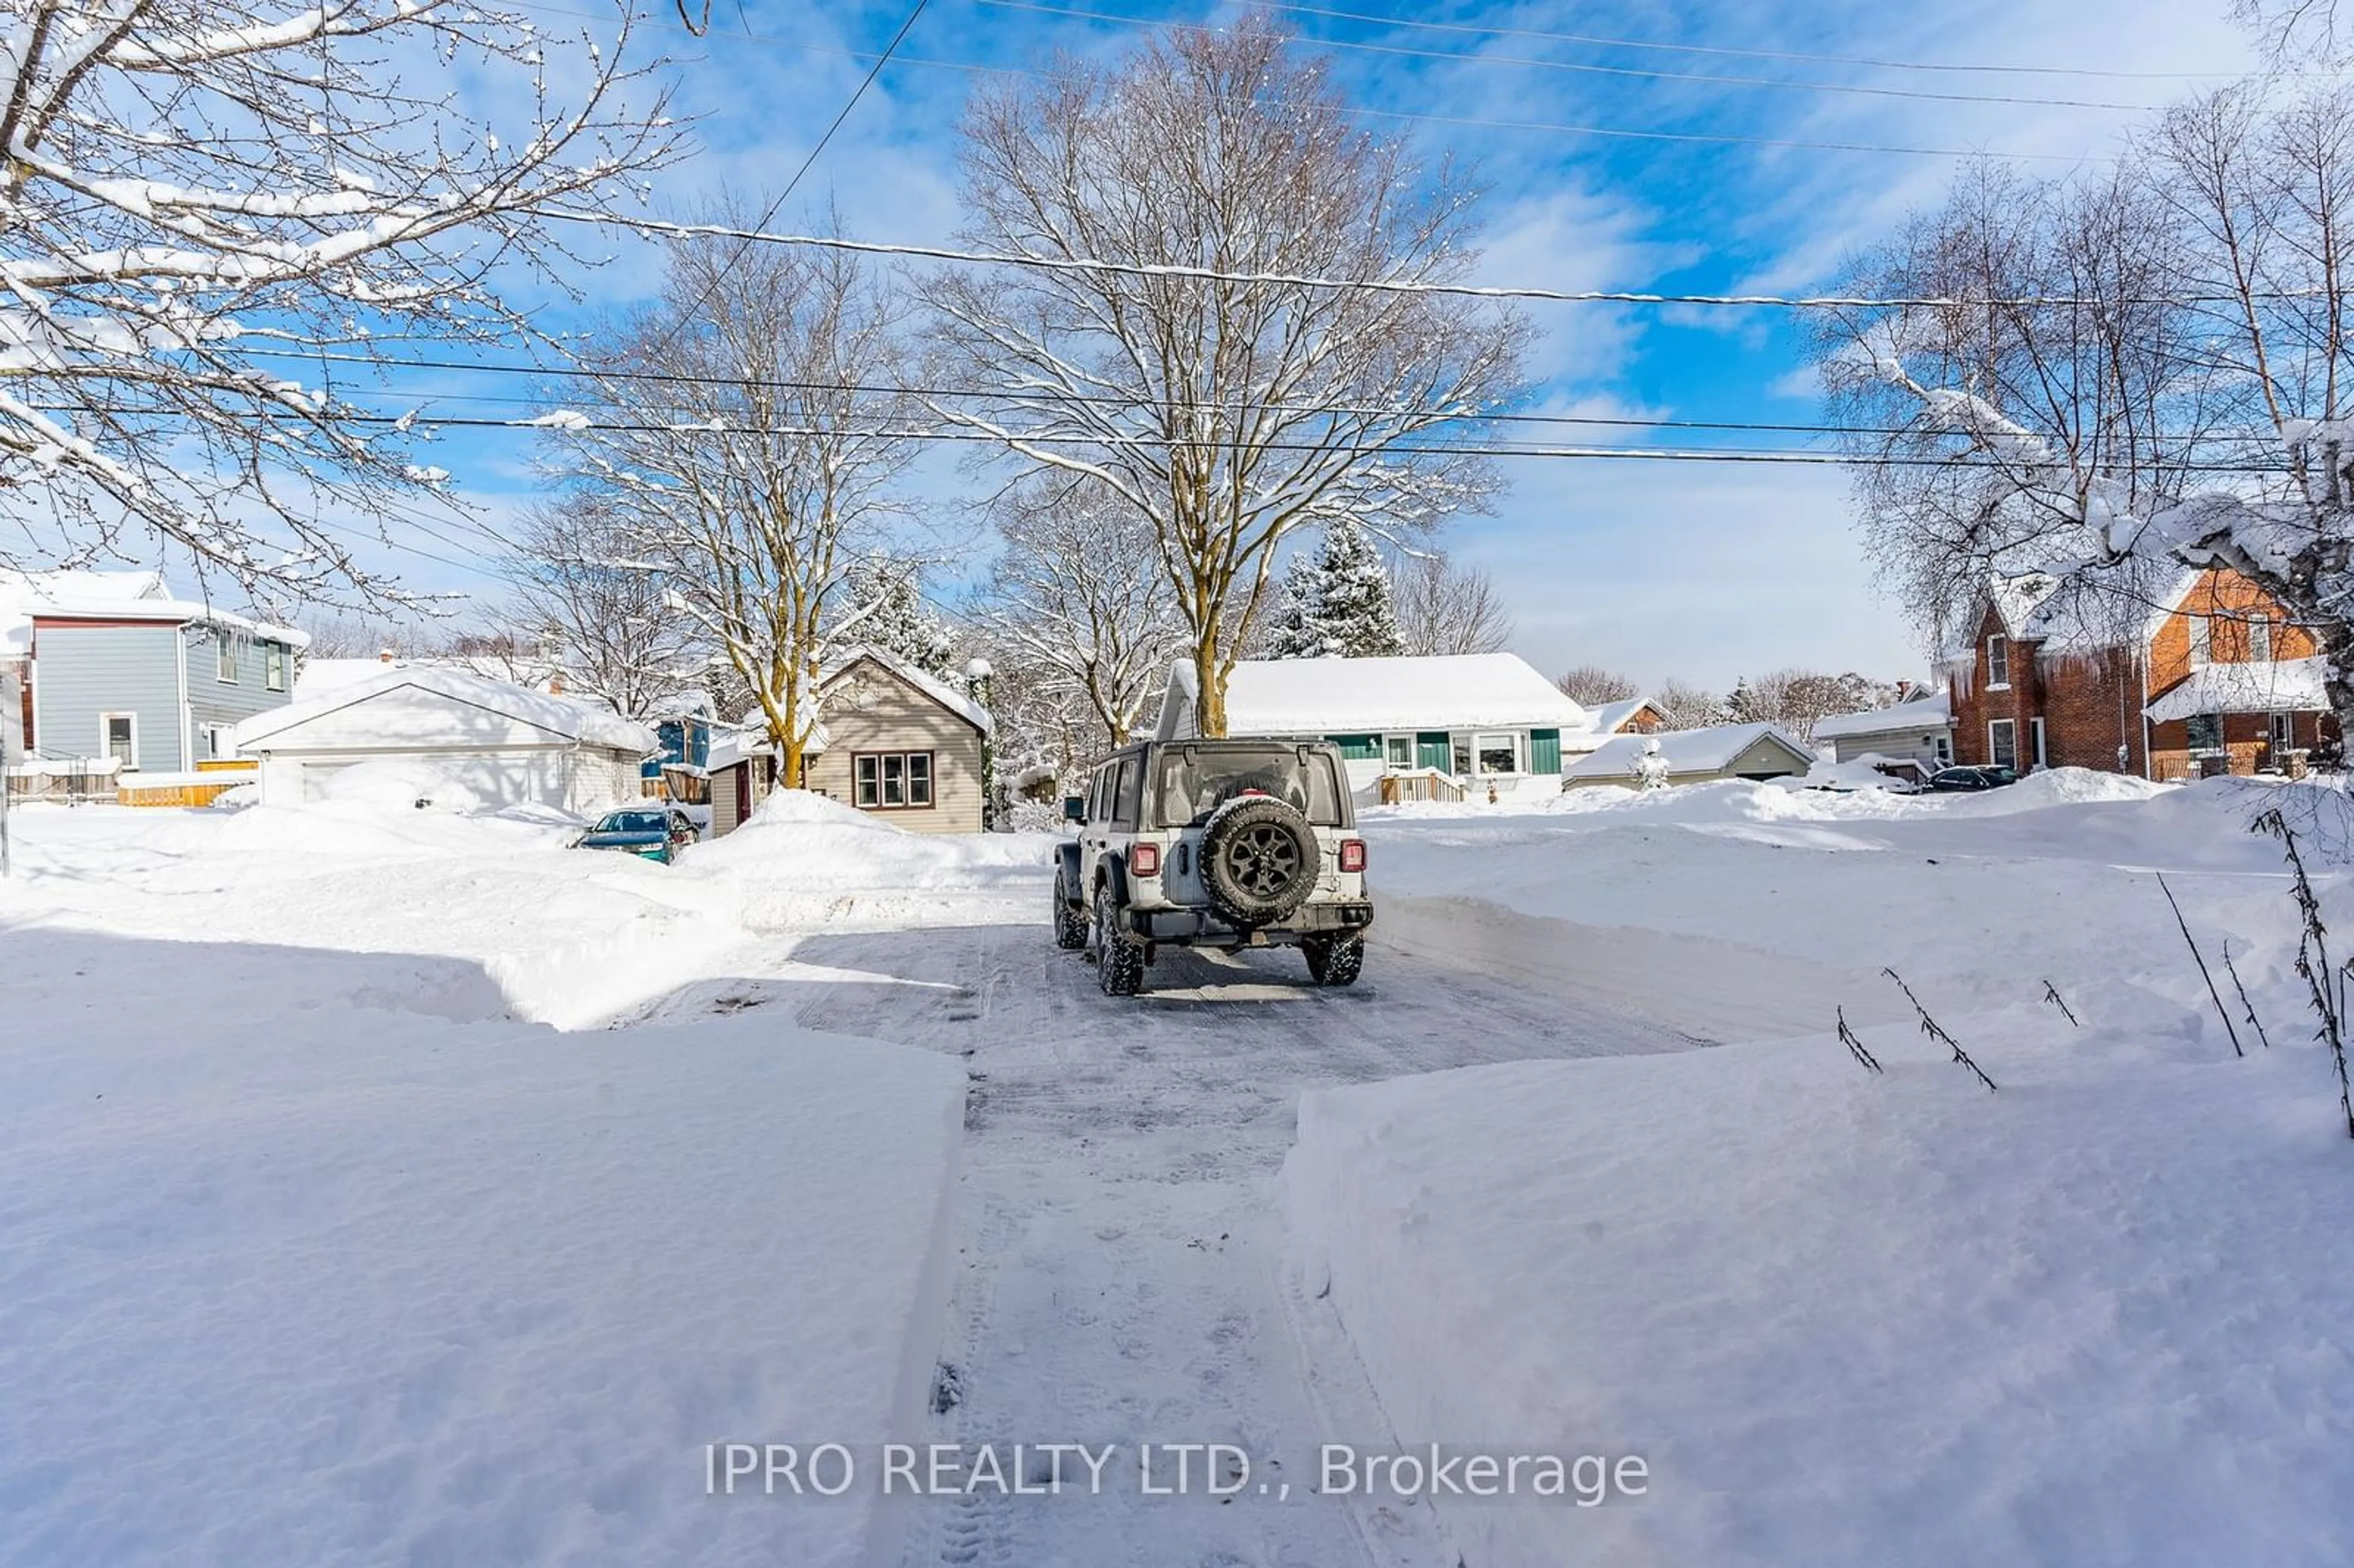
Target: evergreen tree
1336, 601
883, 607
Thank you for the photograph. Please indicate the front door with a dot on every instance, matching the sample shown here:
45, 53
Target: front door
2283, 737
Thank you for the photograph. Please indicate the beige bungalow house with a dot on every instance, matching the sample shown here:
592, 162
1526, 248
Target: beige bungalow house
900, 743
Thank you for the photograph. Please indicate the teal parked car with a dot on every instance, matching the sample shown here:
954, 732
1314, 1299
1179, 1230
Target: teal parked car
651, 833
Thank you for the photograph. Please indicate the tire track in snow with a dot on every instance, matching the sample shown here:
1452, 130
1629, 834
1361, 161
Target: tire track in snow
1121, 1276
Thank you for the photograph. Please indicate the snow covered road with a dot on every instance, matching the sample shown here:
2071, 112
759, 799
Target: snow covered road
1122, 1280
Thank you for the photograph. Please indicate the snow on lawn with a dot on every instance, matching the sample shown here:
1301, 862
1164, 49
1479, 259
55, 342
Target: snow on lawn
2094, 1318
312, 1250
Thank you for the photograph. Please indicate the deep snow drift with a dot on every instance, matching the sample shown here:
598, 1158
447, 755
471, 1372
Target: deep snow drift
313, 1250
2095, 1317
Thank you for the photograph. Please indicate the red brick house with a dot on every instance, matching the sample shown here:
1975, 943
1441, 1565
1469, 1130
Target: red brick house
2198, 672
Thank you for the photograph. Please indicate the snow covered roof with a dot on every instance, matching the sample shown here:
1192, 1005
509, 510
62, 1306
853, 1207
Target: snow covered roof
318, 677
115, 595
1610, 718
2109, 609
2247, 687
1932, 712
1686, 751
931, 685
457, 690
1367, 697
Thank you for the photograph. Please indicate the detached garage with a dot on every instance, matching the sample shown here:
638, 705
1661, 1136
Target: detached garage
499, 742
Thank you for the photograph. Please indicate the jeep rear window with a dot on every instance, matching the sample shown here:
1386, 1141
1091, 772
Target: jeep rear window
1197, 781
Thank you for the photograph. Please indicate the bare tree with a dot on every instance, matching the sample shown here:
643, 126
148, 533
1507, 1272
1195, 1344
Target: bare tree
1594, 685
1686, 707
198, 191
739, 461
581, 583
1796, 700
1077, 597
1442, 608
2177, 393
1227, 409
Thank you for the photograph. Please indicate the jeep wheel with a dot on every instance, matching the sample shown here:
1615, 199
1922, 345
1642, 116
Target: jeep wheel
1070, 919
1120, 958
1259, 861
1334, 960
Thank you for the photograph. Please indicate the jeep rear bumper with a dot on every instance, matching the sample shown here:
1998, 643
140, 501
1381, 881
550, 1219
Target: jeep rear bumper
1199, 925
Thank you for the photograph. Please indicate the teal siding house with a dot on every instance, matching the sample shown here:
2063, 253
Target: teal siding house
1487, 720
115, 667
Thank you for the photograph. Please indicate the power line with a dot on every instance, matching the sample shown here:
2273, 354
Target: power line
1464, 122
1609, 421
1389, 285
1587, 68
1726, 51
778, 205
1663, 454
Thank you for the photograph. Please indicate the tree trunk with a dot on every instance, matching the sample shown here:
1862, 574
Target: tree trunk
1209, 670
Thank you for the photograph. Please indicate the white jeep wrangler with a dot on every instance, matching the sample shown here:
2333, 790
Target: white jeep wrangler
1214, 844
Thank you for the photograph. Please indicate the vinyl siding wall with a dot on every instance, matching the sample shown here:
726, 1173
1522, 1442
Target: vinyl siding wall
867, 708
82, 671
212, 700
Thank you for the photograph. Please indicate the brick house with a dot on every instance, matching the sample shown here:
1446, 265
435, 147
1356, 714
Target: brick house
2200, 671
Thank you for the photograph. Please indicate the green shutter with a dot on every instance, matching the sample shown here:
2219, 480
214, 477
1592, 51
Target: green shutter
1432, 748
1358, 748
1545, 751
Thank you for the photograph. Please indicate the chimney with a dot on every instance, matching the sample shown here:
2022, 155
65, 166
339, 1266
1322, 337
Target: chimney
384, 656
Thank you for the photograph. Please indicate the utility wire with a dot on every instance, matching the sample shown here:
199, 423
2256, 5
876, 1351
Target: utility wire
1482, 30
1585, 67
1389, 285
1608, 131
1000, 394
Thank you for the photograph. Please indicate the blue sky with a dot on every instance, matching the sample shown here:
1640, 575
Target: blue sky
1702, 571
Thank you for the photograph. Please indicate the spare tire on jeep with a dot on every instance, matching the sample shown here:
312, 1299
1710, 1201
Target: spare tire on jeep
1259, 861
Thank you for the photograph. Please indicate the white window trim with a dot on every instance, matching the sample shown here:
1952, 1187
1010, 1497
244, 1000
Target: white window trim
1994, 757
1513, 738
2202, 642
2004, 683
2036, 733
104, 720
1412, 750
273, 668
224, 651
2260, 638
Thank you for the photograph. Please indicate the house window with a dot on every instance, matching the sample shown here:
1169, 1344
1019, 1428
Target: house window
1941, 746
1998, 662
2035, 734
2260, 640
225, 658
892, 781
2002, 742
1399, 750
2202, 641
118, 737
2282, 730
1499, 753
2204, 734
1462, 751
217, 742
273, 668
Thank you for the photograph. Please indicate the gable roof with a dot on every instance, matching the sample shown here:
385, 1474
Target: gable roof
562, 717
930, 685
2121, 605
1686, 751
2288, 685
1934, 711
135, 595
1367, 697
1610, 718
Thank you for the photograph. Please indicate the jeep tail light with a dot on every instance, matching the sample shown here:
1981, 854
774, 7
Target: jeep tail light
1144, 860
1352, 855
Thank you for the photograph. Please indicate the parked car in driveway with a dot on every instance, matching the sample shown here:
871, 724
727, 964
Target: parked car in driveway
652, 832
1973, 777
1213, 843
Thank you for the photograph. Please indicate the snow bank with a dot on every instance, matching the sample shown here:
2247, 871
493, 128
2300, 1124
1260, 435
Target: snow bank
292, 1271
2097, 1318
803, 860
